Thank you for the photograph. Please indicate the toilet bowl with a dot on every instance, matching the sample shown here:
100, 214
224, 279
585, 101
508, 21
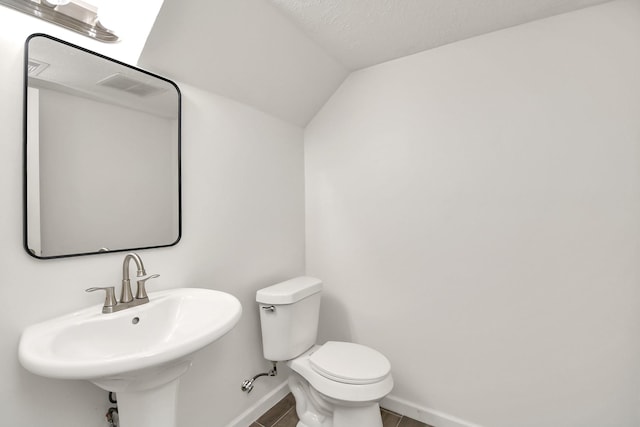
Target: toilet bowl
340, 384
337, 384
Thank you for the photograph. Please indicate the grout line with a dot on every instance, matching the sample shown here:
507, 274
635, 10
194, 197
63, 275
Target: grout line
280, 419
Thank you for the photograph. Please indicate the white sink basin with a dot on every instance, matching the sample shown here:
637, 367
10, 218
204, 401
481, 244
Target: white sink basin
134, 349
88, 344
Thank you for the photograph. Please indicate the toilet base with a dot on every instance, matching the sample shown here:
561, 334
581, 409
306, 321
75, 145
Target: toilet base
368, 416
317, 410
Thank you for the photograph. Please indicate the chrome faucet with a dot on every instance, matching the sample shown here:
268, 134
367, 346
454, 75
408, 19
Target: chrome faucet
127, 300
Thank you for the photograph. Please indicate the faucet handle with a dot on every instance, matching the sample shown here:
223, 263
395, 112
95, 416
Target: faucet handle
109, 298
141, 292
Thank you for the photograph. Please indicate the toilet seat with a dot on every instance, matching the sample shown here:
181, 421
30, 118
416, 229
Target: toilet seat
350, 363
333, 389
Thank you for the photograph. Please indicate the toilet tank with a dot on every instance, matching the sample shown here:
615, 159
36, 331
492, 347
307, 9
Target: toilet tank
289, 313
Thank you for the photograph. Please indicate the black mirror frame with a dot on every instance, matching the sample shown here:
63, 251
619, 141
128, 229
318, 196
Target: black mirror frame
24, 147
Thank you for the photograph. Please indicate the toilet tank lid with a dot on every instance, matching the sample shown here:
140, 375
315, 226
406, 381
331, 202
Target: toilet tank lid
290, 291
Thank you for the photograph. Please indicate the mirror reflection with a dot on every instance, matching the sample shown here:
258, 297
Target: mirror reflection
102, 153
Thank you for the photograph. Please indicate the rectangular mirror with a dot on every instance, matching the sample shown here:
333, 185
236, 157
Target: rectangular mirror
102, 153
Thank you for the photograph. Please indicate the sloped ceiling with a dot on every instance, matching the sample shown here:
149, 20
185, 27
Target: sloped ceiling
286, 57
360, 33
246, 50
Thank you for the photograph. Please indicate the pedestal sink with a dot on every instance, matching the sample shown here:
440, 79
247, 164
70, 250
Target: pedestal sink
139, 353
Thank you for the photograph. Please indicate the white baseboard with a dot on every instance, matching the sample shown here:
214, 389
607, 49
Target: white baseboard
260, 407
422, 414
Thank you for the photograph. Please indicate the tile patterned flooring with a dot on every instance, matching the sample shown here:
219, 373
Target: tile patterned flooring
283, 414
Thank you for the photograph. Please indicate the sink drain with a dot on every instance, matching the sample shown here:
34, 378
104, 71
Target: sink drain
135, 320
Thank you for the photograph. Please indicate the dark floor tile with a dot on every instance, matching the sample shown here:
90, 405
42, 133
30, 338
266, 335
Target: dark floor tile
255, 425
410, 422
389, 419
277, 411
289, 420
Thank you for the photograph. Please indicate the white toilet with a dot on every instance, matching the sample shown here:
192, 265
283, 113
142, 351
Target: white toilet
337, 384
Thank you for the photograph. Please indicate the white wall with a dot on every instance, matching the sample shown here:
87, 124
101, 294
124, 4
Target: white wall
474, 211
243, 228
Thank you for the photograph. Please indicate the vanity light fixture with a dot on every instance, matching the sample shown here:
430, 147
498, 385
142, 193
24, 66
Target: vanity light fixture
75, 15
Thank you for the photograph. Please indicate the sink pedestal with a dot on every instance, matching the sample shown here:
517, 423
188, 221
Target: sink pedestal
150, 398
149, 408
